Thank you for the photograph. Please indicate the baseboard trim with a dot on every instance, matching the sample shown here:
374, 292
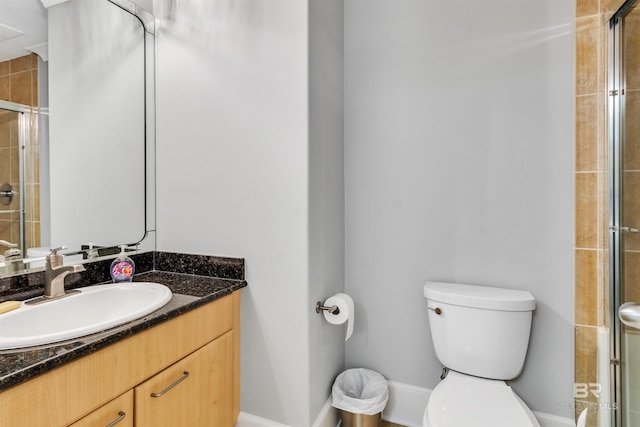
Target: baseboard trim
406, 404
405, 407
549, 420
328, 416
248, 420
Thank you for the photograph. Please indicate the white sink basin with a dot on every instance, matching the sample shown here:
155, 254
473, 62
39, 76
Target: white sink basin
94, 309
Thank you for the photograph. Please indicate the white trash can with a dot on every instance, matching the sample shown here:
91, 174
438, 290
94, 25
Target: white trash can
361, 395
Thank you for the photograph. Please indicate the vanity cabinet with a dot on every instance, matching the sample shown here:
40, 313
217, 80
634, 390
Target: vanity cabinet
193, 392
121, 378
118, 412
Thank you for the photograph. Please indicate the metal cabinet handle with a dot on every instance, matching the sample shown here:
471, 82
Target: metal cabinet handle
121, 417
184, 376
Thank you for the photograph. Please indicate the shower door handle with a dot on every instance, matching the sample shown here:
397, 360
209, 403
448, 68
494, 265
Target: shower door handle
629, 314
615, 229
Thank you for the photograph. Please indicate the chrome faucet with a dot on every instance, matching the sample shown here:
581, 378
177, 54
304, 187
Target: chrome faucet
55, 272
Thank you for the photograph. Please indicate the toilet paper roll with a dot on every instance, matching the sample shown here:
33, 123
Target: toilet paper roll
345, 304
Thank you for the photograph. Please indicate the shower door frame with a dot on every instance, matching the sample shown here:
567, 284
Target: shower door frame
616, 134
24, 120
615, 105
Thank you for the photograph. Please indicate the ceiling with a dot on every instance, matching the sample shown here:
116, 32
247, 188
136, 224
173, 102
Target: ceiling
23, 25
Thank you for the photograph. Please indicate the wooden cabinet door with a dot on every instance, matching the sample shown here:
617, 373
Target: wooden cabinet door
195, 391
117, 413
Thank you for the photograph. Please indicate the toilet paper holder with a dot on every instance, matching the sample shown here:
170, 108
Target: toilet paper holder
333, 309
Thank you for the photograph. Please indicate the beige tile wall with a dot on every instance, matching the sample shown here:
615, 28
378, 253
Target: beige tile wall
9, 223
32, 186
591, 194
19, 84
19, 80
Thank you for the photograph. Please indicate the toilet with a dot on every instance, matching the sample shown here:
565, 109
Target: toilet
480, 335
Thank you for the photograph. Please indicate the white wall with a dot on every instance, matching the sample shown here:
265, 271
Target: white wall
247, 146
458, 160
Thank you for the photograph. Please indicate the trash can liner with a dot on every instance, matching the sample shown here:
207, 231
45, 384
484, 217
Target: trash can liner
360, 391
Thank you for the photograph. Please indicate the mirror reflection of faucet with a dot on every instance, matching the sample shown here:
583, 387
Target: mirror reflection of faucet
12, 258
92, 253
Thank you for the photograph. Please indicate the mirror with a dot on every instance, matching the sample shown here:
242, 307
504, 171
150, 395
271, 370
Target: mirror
86, 168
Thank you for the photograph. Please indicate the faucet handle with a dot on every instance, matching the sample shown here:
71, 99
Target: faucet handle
8, 244
54, 259
13, 253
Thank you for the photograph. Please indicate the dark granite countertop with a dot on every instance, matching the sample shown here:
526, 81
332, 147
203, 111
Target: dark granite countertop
189, 292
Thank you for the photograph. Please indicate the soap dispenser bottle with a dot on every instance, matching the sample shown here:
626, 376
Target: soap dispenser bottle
123, 267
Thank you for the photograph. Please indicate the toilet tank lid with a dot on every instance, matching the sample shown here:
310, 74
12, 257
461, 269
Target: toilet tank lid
476, 296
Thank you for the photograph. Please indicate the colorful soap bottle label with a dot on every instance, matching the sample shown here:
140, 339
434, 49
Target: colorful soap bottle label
122, 271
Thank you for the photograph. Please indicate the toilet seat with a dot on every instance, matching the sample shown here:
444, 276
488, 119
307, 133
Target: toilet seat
464, 401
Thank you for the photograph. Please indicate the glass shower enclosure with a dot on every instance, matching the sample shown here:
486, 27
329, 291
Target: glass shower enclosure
19, 176
624, 213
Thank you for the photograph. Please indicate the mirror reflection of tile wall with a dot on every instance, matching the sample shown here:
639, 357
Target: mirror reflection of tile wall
19, 84
32, 186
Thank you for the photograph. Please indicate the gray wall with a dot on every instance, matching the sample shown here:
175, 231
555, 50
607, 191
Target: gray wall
326, 192
458, 167
250, 164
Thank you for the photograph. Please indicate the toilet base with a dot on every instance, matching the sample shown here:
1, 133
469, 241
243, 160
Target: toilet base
465, 401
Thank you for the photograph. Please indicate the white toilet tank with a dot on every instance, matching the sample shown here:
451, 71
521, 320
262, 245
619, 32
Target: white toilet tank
480, 330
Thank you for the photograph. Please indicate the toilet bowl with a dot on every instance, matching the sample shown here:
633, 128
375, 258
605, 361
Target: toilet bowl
462, 400
481, 334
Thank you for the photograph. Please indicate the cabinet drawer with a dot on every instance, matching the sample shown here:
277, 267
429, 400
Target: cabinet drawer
196, 391
117, 413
